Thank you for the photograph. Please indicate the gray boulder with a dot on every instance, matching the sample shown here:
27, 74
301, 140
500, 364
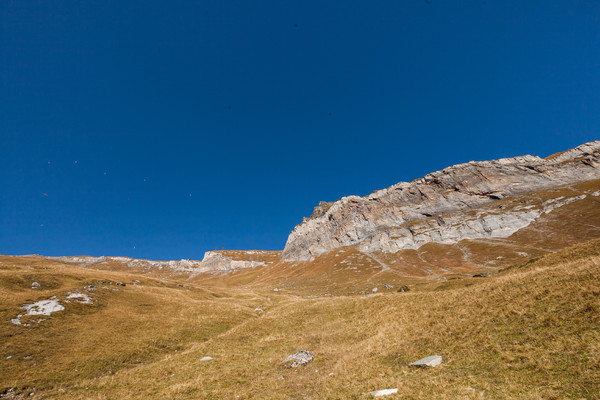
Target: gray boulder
299, 358
431, 361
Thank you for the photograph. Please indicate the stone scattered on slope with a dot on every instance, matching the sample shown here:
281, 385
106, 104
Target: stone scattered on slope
403, 288
383, 392
205, 359
431, 361
112, 283
299, 358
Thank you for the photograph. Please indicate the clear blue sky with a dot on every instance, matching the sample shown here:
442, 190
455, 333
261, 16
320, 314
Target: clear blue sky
162, 129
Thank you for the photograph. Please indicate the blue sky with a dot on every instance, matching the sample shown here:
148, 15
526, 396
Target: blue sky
161, 130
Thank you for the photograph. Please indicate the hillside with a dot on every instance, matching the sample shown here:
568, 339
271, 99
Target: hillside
492, 265
528, 332
468, 219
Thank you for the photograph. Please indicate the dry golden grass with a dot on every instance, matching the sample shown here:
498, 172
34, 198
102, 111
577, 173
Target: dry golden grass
529, 332
550, 157
126, 326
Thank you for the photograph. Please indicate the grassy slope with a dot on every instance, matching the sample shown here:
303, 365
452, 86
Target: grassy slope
532, 331
126, 326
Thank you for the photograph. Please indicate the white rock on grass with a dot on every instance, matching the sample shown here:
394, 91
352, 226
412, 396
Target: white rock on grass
42, 307
207, 358
431, 361
299, 358
81, 298
384, 392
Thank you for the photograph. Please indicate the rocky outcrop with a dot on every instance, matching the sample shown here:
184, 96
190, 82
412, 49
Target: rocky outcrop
213, 261
173, 265
298, 359
217, 261
443, 207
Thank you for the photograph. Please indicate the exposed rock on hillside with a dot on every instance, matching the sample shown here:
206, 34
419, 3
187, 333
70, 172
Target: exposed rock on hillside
444, 206
174, 265
219, 261
298, 359
431, 361
213, 262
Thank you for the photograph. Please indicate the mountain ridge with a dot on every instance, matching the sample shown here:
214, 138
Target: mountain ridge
353, 219
464, 219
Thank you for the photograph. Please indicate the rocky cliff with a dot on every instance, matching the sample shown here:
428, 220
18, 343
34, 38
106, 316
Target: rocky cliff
444, 206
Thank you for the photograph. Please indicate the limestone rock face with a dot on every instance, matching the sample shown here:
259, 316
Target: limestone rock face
216, 261
443, 207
